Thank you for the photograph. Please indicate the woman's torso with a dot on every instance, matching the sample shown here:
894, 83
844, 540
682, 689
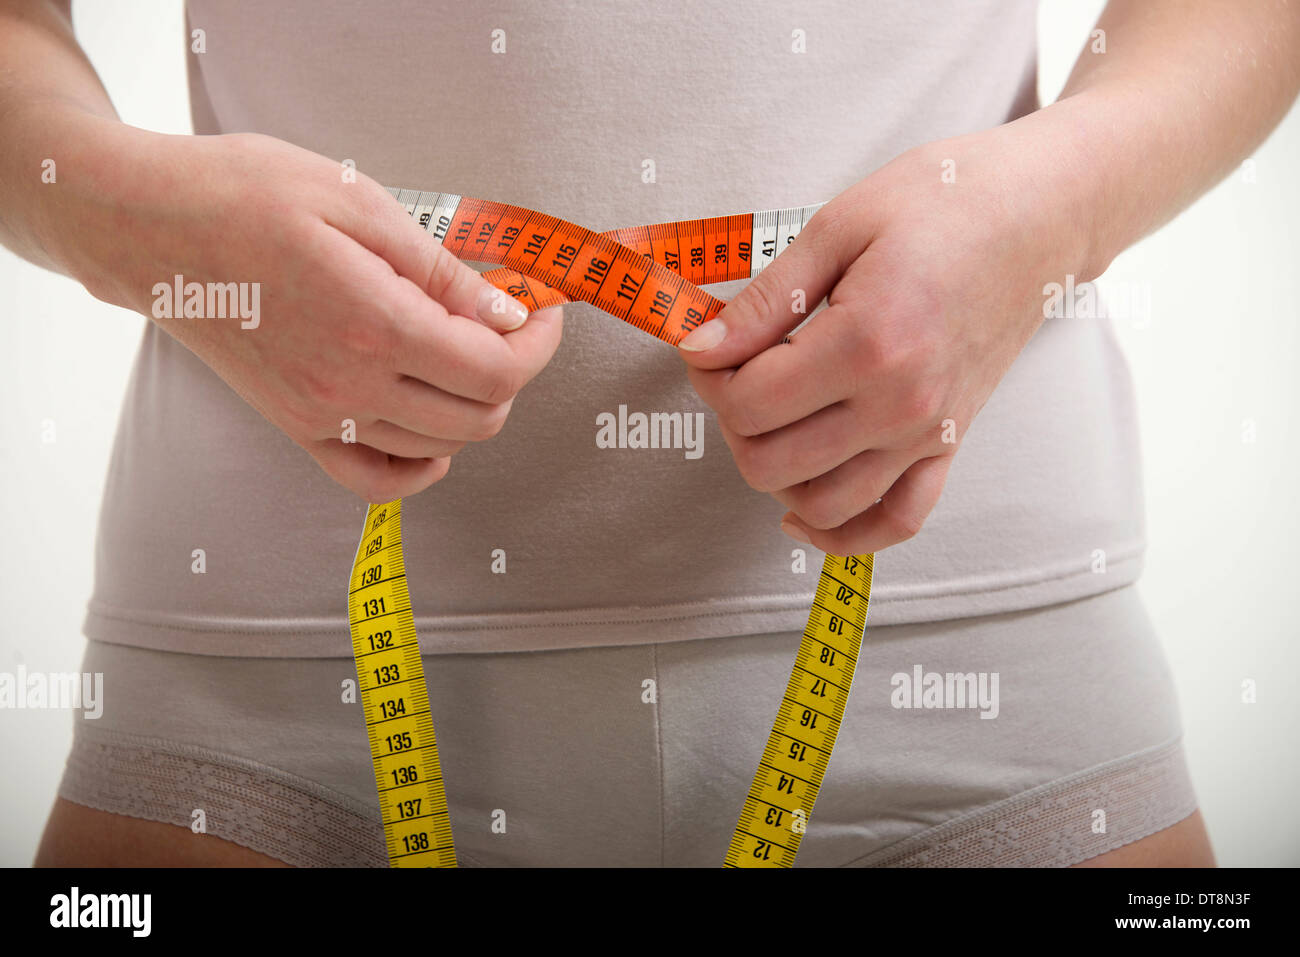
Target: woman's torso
602, 545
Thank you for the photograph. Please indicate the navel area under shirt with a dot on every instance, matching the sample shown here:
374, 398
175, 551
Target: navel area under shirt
601, 546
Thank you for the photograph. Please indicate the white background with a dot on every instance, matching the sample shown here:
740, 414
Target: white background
1222, 516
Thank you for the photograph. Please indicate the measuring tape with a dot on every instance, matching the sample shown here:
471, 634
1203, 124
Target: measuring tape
647, 276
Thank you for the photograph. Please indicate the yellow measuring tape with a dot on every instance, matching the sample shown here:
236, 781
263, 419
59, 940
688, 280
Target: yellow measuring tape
646, 276
794, 762
390, 674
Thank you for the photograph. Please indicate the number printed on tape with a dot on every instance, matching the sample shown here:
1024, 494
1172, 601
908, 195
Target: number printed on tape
648, 276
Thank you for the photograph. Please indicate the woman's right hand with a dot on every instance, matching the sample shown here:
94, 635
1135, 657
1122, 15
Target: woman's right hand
362, 315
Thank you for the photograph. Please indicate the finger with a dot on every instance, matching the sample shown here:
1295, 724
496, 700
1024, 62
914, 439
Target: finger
395, 440
830, 500
788, 382
428, 410
376, 476
376, 220
464, 357
425, 341
782, 295
895, 518
798, 452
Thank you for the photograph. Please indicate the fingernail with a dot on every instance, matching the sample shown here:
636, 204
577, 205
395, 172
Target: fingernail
705, 337
795, 532
501, 311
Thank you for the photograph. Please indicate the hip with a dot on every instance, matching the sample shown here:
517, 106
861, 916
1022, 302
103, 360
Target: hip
1039, 737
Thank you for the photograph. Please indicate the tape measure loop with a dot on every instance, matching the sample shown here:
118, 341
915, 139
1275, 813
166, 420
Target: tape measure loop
647, 276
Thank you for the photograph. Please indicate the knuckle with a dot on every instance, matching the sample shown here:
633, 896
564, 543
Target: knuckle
821, 512
739, 417
442, 268
889, 346
830, 217
859, 335
492, 421
503, 385
444, 466
904, 523
321, 390
922, 403
374, 488
370, 340
830, 226
754, 466
742, 455
496, 389
771, 301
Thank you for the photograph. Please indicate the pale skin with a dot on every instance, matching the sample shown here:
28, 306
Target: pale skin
377, 323
933, 288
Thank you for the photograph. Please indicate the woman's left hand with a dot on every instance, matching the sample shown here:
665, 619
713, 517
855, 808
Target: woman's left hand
934, 266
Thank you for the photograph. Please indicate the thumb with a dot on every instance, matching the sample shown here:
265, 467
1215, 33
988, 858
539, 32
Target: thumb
461, 290
387, 230
777, 299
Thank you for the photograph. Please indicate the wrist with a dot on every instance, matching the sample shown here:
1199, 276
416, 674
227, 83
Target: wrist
1087, 211
71, 175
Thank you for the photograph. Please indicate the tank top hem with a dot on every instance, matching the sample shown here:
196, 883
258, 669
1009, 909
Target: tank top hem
554, 629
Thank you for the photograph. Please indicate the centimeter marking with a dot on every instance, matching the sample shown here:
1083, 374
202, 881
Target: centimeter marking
790, 772
647, 276
395, 700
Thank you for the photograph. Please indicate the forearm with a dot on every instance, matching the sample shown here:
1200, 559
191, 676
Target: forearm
52, 107
1181, 95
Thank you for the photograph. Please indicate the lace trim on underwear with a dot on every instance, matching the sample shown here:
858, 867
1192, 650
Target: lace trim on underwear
1052, 825
256, 806
307, 825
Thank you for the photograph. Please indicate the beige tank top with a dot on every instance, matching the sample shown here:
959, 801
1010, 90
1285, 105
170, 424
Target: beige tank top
602, 546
